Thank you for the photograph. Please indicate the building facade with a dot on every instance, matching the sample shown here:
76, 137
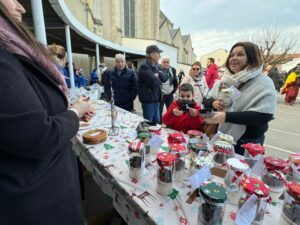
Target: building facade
135, 24
220, 56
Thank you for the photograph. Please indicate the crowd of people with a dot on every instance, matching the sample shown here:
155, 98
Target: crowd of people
38, 168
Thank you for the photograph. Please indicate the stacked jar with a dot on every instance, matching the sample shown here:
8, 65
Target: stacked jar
237, 169
294, 168
213, 199
291, 206
225, 96
222, 151
252, 153
250, 186
180, 152
136, 159
145, 138
176, 138
165, 169
274, 175
196, 151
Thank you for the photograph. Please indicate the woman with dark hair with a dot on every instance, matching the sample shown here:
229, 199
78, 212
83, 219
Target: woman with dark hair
253, 101
38, 171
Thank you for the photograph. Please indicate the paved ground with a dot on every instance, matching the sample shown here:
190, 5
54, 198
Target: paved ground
283, 136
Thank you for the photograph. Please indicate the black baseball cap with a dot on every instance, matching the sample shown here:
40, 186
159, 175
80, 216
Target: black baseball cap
153, 48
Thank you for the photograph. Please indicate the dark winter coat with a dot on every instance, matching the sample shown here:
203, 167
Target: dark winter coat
38, 171
149, 86
275, 76
124, 86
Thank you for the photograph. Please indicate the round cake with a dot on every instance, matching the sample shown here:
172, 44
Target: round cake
95, 136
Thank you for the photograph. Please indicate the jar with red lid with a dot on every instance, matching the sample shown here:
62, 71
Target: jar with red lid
274, 174
165, 169
294, 168
291, 205
222, 151
250, 186
180, 152
136, 159
237, 169
253, 152
176, 138
194, 134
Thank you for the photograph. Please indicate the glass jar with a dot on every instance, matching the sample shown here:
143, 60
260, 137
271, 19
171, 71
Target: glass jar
198, 163
176, 138
196, 150
273, 176
136, 159
145, 138
237, 170
250, 186
252, 153
291, 205
225, 96
233, 192
165, 169
180, 152
155, 129
222, 151
213, 199
193, 141
294, 168
227, 138
194, 134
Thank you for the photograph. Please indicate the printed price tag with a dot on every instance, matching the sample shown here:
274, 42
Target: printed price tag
236, 93
201, 176
246, 214
155, 141
259, 166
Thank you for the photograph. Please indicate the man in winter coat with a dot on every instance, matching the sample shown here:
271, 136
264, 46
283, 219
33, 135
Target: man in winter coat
273, 73
150, 79
211, 72
123, 82
170, 86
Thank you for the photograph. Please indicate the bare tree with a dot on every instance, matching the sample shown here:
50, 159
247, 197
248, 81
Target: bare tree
275, 45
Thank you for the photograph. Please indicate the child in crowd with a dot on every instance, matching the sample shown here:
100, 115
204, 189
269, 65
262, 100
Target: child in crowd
183, 115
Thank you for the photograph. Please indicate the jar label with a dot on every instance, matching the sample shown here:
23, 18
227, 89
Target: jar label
247, 212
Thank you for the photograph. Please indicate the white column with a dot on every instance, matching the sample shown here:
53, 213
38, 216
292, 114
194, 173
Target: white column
97, 59
38, 21
70, 59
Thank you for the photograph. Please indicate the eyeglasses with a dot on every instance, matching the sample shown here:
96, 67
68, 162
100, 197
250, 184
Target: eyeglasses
196, 69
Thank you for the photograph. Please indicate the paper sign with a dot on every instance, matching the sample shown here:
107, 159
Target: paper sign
155, 141
236, 93
201, 176
259, 166
247, 212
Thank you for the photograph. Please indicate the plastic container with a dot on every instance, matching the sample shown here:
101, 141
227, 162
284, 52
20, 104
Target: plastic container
252, 153
176, 138
294, 168
213, 199
180, 152
222, 151
291, 205
250, 186
194, 134
273, 175
165, 163
136, 159
237, 170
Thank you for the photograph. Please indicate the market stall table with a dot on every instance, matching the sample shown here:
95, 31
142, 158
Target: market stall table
137, 200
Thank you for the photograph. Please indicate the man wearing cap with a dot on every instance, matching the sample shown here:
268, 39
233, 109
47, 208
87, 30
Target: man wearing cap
150, 80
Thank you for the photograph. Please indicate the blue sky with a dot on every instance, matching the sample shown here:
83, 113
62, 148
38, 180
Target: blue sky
217, 24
